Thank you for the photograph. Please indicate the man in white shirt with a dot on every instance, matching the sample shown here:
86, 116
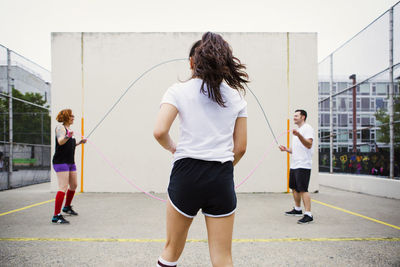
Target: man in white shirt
300, 166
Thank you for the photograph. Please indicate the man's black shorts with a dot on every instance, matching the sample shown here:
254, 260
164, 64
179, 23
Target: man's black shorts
199, 184
299, 179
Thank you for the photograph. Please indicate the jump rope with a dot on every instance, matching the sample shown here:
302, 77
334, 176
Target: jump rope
109, 162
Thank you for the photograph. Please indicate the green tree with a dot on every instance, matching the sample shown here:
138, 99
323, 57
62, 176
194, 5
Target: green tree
383, 117
28, 120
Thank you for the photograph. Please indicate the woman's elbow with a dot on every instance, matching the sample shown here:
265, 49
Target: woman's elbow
240, 151
158, 134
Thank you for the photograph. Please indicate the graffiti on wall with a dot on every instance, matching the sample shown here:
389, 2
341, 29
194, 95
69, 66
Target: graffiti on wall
358, 163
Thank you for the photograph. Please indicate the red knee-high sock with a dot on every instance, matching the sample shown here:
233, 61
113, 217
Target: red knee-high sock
70, 196
59, 200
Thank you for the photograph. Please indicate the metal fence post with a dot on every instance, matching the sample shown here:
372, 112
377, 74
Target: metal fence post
10, 117
41, 129
390, 104
331, 117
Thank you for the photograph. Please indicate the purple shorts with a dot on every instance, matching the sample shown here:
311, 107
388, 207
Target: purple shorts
64, 167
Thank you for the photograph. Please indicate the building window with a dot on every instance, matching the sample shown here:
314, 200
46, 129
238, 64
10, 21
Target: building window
342, 104
379, 103
324, 136
325, 105
324, 120
365, 121
381, 88
343, 136
365, 135
365, 89
342, 86
324, 88
365, 104
365, 148
343, 120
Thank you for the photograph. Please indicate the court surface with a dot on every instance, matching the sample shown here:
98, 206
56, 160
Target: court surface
122, 229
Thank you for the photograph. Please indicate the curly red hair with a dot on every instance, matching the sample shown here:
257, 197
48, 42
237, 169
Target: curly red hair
64, 115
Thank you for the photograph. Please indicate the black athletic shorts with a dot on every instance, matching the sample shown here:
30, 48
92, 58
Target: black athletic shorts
198, 184
299, 179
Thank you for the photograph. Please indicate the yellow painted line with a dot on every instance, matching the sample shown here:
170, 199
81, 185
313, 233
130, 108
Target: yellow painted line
27, 207
134, 240
316, 239
356, 214
30, 206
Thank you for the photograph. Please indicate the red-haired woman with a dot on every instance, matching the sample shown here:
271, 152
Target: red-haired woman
213, 138
64, 165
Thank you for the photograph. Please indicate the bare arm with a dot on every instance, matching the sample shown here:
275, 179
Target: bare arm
239, 139
165, 118
283, 148
83, 141
61, 135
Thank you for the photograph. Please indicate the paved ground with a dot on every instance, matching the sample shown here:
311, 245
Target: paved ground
128, 230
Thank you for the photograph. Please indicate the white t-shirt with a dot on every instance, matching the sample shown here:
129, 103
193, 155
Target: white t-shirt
302, 156
206, 128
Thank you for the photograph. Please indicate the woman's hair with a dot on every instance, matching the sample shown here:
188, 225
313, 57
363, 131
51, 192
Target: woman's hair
194, 46
214, 63
64, 115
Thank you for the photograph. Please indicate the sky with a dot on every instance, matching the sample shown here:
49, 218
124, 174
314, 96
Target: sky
26, 25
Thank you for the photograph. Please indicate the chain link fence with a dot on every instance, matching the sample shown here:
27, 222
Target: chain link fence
359, 104
25, 96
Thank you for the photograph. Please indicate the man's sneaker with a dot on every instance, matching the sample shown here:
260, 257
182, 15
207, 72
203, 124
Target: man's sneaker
59, 219
69, 210
294, 212
305, 219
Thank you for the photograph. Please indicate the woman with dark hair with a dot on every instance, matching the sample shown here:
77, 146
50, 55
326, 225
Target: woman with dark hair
213, 138
64, 165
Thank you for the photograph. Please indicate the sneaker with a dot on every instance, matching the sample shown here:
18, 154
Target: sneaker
69, 210
59, 219
294, 212
305, 219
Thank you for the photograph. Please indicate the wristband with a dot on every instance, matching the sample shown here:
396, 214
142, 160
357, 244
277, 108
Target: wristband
69, 134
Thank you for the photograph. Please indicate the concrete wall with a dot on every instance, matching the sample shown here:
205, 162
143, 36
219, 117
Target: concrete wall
24, 177
111, 61
381, 187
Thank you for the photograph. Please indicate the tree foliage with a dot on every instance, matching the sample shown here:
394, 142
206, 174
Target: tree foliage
31, 124
383, 117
